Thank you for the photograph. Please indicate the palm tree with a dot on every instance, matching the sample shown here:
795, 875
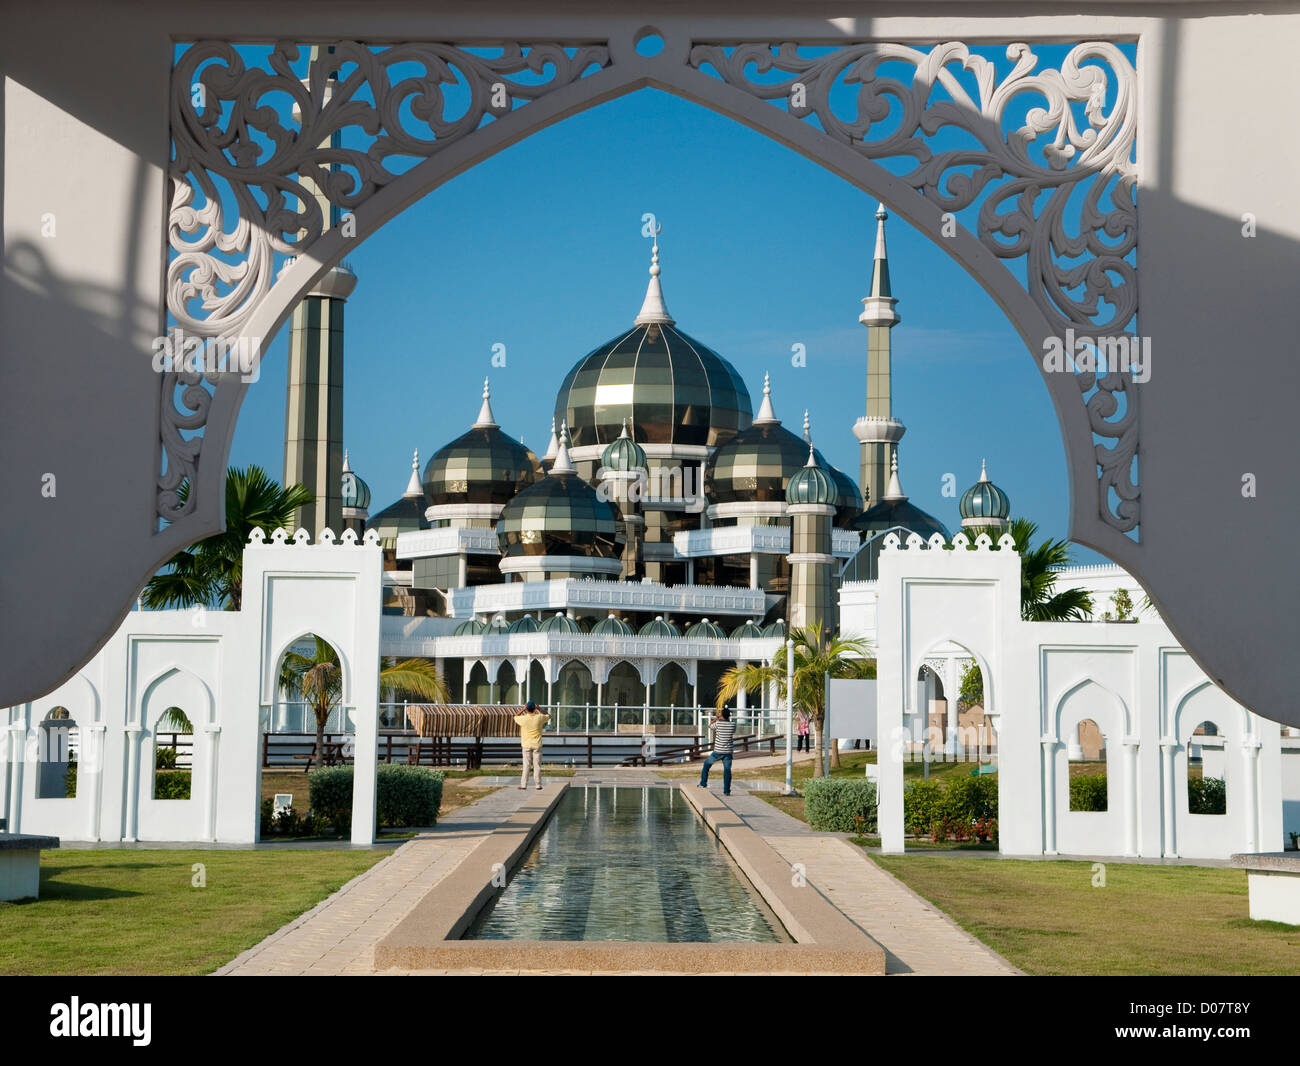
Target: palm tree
212, 571
318, 680
817, 654
1039, 600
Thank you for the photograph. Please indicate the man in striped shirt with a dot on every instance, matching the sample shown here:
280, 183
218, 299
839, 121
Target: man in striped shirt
723, 730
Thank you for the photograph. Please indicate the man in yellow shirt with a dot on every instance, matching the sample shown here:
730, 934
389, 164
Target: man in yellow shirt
531, 723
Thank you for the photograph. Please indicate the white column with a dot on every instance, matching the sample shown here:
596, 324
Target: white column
1130, 796
93, 779
132, 782
14, 773
1169, 796
1250, 750
951, 688
210, 793
1049, 744
753, 570
462, 571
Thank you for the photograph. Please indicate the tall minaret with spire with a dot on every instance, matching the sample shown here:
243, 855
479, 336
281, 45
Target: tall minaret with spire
313, 420
878, 431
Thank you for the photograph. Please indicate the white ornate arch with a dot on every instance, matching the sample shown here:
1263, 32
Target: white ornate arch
1224, 719
923, 660
225, 281
335, 642
1078, 685
207, 708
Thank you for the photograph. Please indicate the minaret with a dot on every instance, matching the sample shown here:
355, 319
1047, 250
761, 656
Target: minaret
313, 421
810, 503
879, 431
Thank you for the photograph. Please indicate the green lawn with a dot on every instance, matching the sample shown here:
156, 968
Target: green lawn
1047, 918
136, 912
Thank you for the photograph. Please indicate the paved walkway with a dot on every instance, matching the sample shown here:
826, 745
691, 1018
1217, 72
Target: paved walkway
339, 934
917, 938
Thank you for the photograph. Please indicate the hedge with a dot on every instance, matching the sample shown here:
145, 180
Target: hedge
1207, 795
171, 785
1088, 793
404, 795
840, 805
966, 809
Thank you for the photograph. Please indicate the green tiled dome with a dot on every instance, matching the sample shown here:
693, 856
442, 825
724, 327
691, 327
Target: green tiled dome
671, 388
560, 623
356, 493
469, 627
612, 627
659, 627
984, 500
776, 629
755, 465
623, 454
706, 630
812, 485
526, 624
751, 630
559, 515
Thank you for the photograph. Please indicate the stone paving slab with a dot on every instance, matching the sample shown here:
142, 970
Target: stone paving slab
917, 937
339, 934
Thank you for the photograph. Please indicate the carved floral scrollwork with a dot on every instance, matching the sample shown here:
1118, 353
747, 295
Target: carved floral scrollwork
258, 152
1069, 211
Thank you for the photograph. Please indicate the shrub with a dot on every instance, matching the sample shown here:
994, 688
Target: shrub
922, 806
164, 758
841, 805
1088, 793
70, 780
972, 799
1207, 795
171, 785
405, 795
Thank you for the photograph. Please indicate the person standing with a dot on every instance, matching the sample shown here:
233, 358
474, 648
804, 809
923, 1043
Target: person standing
531, 723
802, 731
722, 730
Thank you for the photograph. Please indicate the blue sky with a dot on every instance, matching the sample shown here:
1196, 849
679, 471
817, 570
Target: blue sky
540, 249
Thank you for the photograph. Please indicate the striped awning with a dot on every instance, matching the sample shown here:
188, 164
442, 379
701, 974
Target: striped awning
464, 720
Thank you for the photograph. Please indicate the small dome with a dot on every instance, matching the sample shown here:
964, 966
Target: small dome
776, 629
560, 622
356, 493
469, 627
526, 624
482, 465
984, 500
498, 625
623, 454
751, 630
612, 626
560, 515
659, 627
812, 484
706, 630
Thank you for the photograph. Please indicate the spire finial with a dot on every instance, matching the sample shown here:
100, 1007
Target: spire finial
895, 489
766, 413
485, 419
625, 432
563, 464
413, 486
984, 472
807, 434
653, 310
346, 465
881, 213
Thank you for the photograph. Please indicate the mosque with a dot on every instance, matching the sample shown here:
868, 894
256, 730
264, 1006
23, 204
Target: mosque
667, 533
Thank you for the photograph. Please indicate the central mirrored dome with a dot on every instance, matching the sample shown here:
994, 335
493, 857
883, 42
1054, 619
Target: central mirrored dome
671, 389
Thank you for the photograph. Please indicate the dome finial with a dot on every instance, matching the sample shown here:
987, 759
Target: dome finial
413, 487
881, 213
653, 310
553, 447
625, 432
563, 464
766, 413
807, 433
485, 419
346, 465
895, 489
984, 471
